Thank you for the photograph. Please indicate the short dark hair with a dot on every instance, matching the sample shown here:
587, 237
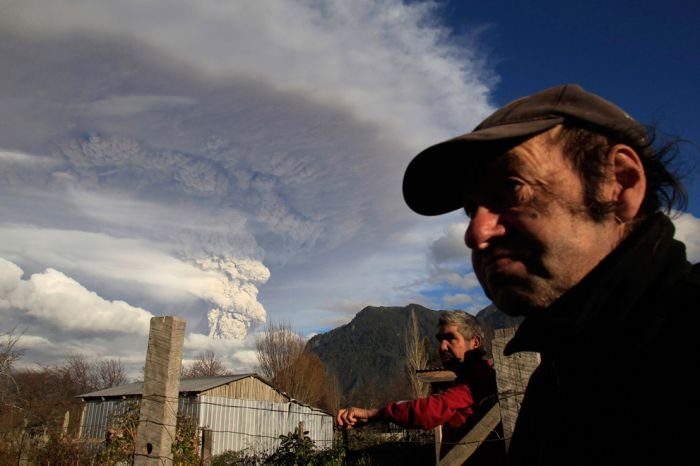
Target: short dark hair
586, 147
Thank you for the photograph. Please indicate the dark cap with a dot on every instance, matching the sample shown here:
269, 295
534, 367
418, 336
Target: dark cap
432, 184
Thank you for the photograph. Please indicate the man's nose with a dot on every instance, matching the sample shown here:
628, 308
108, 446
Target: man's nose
443, 345
483, 226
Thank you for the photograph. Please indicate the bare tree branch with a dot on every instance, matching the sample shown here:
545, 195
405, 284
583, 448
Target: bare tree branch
208, 364
9, 355
416, 356
284, 361
110, 373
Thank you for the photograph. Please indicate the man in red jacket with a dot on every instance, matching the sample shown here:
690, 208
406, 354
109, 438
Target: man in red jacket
457, 408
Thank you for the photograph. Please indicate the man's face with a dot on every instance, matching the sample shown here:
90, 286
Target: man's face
530, 234
452, 345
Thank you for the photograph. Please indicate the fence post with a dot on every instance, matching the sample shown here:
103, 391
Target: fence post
206, 447
161, 386
66, 422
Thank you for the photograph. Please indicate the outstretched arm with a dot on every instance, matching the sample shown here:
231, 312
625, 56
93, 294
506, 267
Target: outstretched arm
349, 417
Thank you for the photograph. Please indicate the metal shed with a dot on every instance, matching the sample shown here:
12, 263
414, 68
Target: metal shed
243, 412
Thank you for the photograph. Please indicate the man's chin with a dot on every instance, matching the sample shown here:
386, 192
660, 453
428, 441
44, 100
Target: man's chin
515, 301
450, 364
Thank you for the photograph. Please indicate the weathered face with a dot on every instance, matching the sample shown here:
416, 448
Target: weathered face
530, 234
452, 345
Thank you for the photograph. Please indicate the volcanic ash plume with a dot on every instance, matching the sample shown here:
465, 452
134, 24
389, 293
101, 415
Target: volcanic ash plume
238, 309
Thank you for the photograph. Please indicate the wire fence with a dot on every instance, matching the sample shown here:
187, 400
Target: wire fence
243, 425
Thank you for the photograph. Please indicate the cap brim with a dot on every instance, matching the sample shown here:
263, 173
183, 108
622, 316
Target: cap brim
433, 182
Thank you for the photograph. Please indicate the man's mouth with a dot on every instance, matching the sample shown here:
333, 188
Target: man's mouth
499, 260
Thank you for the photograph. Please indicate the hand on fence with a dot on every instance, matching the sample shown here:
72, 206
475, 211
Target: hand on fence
349, 417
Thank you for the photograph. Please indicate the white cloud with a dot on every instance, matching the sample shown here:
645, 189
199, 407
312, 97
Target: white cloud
466, 281
457, 299
688, 231
380, 58
131, 104
239, 356
114, 259
60, 301
230, 284
12, 157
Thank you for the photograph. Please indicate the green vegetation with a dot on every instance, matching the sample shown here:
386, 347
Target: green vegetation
363, 447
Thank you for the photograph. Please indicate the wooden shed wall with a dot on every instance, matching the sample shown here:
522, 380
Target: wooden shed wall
512, 375
249, 388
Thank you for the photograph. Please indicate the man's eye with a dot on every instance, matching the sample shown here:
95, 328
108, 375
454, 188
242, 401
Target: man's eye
513, 185
515, 192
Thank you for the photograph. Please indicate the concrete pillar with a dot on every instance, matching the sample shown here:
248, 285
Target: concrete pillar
161, 385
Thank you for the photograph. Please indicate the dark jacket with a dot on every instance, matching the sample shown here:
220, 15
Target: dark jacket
619, 355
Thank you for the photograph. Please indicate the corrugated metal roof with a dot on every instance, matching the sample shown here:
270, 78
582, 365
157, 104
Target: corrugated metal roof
196, 385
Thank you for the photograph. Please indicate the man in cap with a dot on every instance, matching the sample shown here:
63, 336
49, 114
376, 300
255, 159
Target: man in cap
564, 191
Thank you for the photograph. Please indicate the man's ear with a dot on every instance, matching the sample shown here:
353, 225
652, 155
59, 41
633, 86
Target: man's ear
475, 342
629, 181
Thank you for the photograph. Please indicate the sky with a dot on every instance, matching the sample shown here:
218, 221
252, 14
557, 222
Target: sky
234, 163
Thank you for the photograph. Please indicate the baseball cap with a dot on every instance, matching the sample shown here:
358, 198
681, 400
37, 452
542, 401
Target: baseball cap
434, 179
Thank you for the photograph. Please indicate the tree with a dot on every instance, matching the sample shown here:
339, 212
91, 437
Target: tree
307, 378
85, 375
332, 394
417, 356
284, 360
9, 355
78, 374
208, 364
277, 349
110, 373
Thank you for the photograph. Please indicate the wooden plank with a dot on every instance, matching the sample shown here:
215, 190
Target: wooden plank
435, 375
512, 376
469, 443
438, 443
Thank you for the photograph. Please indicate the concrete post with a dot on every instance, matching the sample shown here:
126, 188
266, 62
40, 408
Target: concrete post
161, 385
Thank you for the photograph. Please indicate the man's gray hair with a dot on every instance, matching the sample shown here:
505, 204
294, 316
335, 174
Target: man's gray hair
468, 326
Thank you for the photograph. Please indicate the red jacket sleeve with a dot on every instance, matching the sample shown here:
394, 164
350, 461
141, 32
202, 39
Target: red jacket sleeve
453, 407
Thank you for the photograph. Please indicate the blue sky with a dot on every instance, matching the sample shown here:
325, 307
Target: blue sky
234, 162
642, 55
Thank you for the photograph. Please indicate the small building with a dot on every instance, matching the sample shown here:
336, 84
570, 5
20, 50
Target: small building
243, 412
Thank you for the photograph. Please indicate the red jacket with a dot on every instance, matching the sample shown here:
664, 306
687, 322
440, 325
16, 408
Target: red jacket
454, 409
451, 408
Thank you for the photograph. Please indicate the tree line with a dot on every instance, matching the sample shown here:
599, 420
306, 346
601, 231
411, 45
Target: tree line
42, 401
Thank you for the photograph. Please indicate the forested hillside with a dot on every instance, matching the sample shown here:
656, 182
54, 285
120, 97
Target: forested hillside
368, 354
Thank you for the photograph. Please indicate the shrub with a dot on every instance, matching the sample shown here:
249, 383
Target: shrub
121, 437
296, 449
238, 458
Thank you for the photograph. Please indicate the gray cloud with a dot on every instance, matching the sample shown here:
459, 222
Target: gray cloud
227, 162
450, 247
